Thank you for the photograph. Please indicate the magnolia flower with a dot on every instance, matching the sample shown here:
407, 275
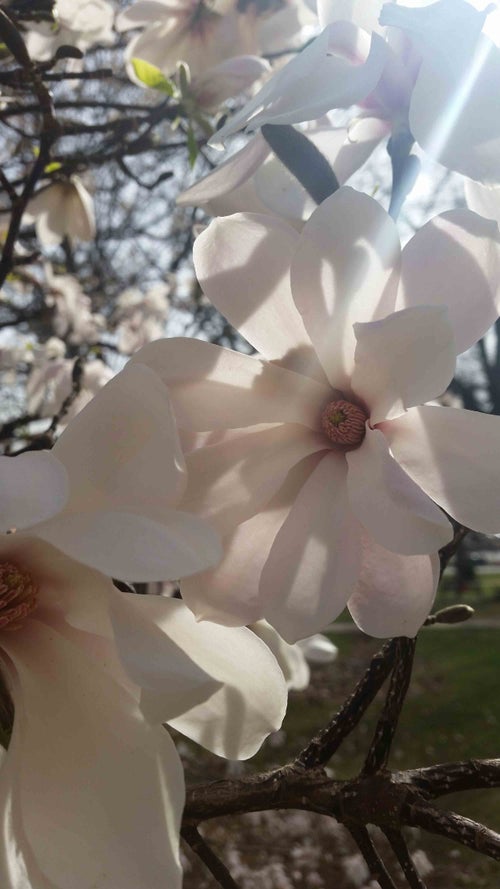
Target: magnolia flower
80, 23
323, 473
454, 112
435, 78
338, 69
73, 316
253, 180
91, 787
50, 382
141, 317
63, 209
198, 34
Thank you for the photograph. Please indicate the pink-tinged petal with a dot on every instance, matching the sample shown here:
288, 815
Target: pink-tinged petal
122, 451
344, 270
100, 772
454, 261
229, 175
454, 110
393, 509
215, 388
230, 78
483, 199
133, 547
403, 360
395, 593
33, 487
453, 455
314, 561
291, 658
283, 194
243, 265
143, 12
230, 482
230, 593
81, 603
321, 77
251, 700
143, 629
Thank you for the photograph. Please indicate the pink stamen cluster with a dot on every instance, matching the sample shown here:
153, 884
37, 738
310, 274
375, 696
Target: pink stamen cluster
18, 595
344, 422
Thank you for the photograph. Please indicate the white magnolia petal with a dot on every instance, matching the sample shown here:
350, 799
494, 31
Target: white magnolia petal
100, 772
231, 481
230, 78
393, 509
142, 631
318, 649
314, 82
143, 12
344, 270
314, 561
291, 658
251, 703
33, 487
243, 265
455, 107
229, 175
454, 261
453, 455
363, 13
403, 360
18, 865
394, 593
230, 593
81, 212
122, 451
483, 199
133, 547
215, 388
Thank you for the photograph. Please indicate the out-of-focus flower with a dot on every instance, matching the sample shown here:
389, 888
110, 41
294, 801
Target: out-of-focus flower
193, 32
230, 78
63, 209
50, 382
325, 477
73, 319
80, 23
94, 671
141, 317
291, 658
318, 649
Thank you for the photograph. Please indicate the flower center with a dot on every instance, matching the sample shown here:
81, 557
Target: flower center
18, 595
344, 422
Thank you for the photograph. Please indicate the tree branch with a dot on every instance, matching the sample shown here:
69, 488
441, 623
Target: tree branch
322, 747
216, 867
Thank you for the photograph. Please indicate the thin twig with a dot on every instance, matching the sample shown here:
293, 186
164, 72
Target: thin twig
379, 750
322, 747
400, 848
216, 867
373, 860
